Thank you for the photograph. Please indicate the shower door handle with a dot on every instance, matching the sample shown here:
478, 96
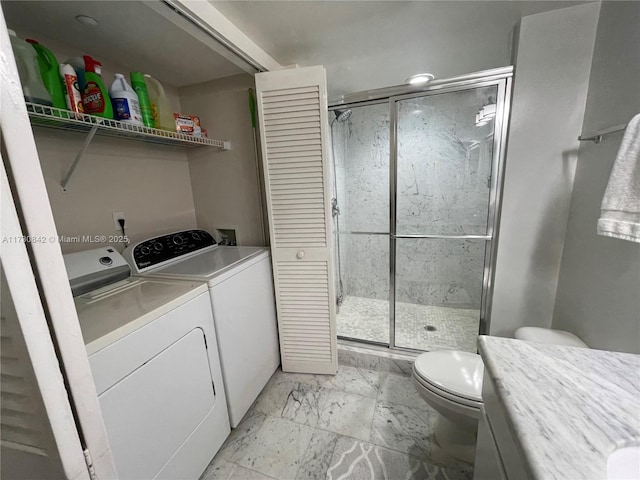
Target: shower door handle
444, 237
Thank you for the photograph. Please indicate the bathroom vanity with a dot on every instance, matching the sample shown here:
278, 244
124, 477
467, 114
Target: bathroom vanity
554, 412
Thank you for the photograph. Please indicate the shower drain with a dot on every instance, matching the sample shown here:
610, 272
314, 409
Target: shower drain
430, 328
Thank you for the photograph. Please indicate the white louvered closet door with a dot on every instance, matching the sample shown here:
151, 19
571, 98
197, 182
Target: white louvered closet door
38, 433
292, 107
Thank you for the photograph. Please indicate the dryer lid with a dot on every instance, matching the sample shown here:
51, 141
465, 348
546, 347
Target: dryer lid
458, 373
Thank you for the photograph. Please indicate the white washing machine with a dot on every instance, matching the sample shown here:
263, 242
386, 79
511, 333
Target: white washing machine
242, 296
153, 354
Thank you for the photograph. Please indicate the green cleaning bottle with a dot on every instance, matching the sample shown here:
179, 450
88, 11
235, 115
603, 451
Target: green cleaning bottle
138, 84
95, 98
50, 73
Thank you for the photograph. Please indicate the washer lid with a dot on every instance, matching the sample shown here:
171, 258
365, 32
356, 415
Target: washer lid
455, 372
210, 263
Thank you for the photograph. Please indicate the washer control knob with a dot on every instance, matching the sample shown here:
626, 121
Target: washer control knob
300, 254
158, 246
178, 240
195, 235
145, 250
105, 261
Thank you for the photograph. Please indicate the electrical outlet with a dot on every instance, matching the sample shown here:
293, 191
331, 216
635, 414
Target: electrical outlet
117, 216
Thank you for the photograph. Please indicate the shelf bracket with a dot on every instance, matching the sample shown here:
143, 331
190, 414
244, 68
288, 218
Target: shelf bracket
76, 161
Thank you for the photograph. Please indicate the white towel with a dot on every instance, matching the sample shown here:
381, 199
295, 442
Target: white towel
620, 215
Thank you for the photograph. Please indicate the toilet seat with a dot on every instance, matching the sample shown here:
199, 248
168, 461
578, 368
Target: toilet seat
452, 374
446, 396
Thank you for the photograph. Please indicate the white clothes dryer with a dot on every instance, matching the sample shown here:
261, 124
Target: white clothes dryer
153, 354
243, 301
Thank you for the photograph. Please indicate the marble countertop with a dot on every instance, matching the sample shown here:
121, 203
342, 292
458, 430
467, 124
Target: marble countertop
568, 408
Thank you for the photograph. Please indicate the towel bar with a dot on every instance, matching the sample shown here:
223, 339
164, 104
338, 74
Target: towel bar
596, 137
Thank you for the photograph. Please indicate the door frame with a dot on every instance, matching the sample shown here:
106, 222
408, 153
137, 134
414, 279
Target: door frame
502, 78
22, 165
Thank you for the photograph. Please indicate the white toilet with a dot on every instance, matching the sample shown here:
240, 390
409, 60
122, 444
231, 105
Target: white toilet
450, 381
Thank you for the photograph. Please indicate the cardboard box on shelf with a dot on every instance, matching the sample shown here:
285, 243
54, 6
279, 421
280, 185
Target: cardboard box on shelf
188, 124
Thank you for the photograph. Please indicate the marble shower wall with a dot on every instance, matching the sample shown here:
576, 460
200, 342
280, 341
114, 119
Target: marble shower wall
444, 163
361, 147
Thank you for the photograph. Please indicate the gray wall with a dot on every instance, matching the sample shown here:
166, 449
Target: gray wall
599, 288
552, 74
225, 184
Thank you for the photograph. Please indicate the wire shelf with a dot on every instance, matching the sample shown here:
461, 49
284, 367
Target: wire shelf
51, 117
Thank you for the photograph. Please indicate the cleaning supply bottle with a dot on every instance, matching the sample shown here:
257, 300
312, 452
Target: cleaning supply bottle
160, 105
50, 72
95, 98
78, 64
126, 107
72, 95
33, 89
140, 87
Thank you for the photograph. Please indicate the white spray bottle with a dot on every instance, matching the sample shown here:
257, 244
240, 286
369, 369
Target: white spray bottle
72, 93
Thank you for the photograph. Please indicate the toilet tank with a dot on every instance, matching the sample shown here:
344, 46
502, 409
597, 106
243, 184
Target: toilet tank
547, 335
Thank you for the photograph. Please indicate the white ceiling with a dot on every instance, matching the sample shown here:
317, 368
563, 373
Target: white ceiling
363, 44
373, 44
129, 33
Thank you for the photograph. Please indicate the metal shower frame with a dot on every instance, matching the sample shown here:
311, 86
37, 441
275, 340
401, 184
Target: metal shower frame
501, 78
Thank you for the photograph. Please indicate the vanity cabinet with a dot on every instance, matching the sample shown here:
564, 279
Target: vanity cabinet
497, 456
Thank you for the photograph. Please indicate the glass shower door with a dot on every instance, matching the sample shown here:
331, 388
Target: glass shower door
360, 148
444, 194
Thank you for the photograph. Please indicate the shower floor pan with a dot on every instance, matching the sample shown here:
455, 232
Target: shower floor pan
421, 327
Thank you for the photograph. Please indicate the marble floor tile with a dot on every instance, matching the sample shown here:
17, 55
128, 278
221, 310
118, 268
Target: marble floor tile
276, 439
350, 379
405, 429
354, 459
317, 459
400, 389
240, 437
285, 397
218, 469
355, 380
348, 414
277, 449
304, 404
241, 473
273, 397
307, 378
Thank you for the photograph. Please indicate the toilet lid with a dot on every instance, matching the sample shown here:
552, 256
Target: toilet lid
455, 372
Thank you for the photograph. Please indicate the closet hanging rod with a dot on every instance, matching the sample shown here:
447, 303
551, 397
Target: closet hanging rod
596, 137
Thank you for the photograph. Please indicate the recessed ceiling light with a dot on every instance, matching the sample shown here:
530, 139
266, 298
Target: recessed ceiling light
419, 78
86, 20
